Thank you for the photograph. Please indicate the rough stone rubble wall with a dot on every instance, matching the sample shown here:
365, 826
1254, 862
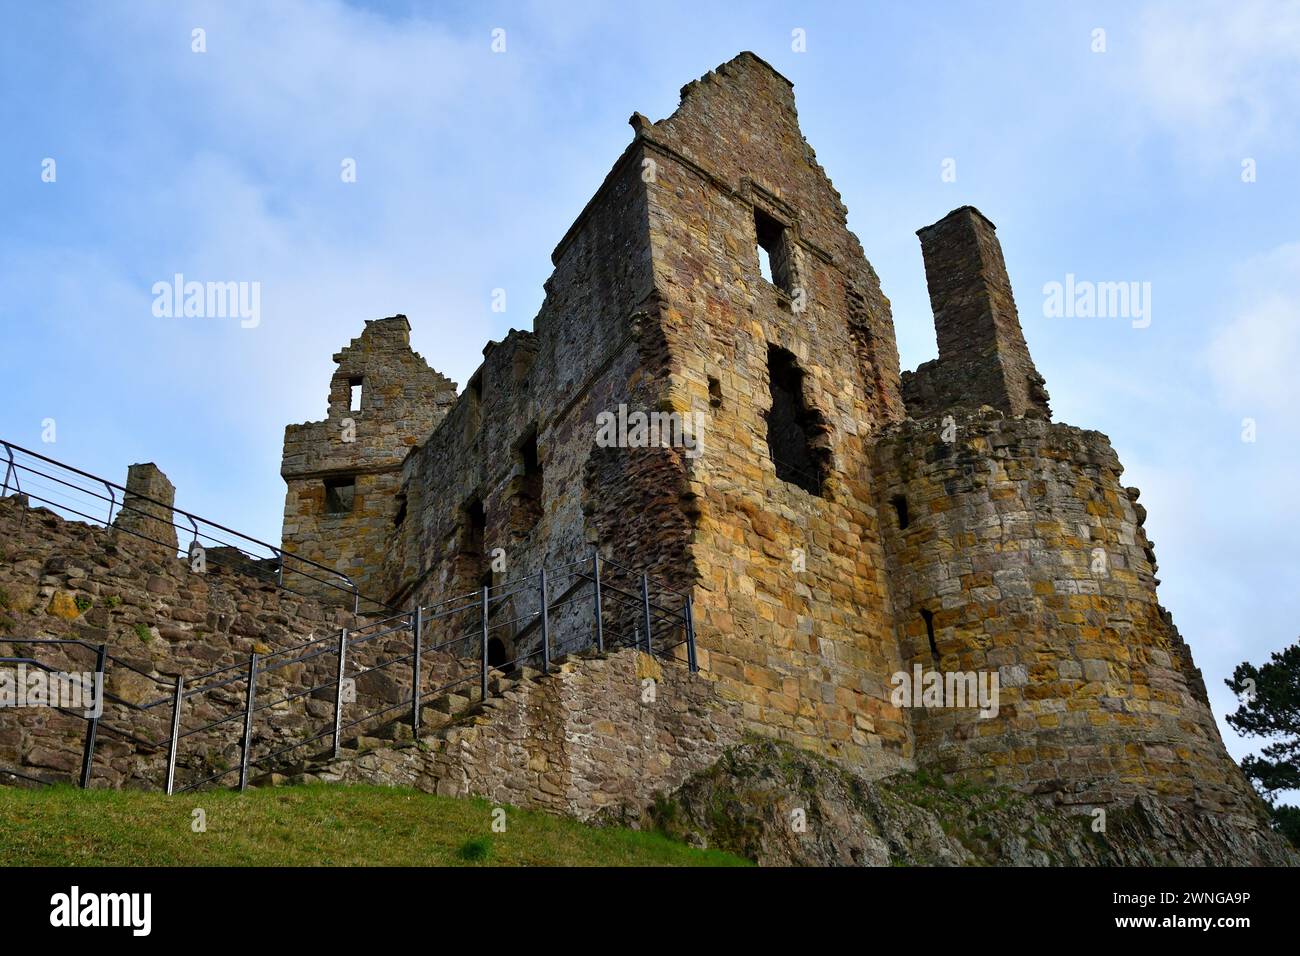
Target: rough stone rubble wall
593, 737
69, 581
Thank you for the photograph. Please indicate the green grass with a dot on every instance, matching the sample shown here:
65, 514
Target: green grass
318, 825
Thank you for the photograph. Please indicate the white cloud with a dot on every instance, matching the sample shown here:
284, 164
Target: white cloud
1219, 76
1253, 359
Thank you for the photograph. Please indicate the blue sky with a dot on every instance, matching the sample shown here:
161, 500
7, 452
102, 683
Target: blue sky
1119, 166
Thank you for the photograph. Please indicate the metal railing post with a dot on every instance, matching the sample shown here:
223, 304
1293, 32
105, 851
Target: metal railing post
483, 651
645, 604
600, 623
546, 628
688, 611
249, 700
338, 691
174, 746
92, 724
417, 625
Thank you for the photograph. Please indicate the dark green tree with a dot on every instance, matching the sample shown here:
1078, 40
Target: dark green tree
1270, 708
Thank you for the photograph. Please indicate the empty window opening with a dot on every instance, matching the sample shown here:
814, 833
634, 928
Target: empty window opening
496, 653
715, 392
900, 508
789, 423
354, 394
400, 514
528, 498
340, 493
773, 250
475, 526
474, 404
928, 617
532, 466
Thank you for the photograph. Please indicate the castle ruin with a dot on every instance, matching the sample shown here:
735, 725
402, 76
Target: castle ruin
842, 524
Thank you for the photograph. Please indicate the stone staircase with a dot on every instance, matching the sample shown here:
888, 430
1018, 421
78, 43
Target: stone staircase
443, 721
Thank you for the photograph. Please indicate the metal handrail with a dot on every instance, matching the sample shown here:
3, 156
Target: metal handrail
279, 554
657, 624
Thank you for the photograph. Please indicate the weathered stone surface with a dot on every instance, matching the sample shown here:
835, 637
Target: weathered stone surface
146, 510
983, 358
583, 741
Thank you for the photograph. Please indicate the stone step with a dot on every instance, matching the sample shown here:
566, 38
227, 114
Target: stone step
451, 703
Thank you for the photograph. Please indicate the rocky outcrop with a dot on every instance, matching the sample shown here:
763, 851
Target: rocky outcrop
780, 806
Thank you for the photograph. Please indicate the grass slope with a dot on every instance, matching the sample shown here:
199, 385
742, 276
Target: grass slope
317, 825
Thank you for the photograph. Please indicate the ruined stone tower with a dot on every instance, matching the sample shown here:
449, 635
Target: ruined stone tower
344, 495
836, 525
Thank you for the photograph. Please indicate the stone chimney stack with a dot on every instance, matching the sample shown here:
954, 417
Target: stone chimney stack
983, 358
147, 510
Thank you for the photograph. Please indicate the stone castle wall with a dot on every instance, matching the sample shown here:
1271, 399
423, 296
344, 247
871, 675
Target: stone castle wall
597, 736
823, 530
343, 473
514, 478
1027, 552
587, 741
62, 580
790, 595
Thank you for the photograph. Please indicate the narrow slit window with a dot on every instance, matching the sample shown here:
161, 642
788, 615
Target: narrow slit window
528, 497
928, 617
354, 394
475, 527
900, 509
472, 568
473, 411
